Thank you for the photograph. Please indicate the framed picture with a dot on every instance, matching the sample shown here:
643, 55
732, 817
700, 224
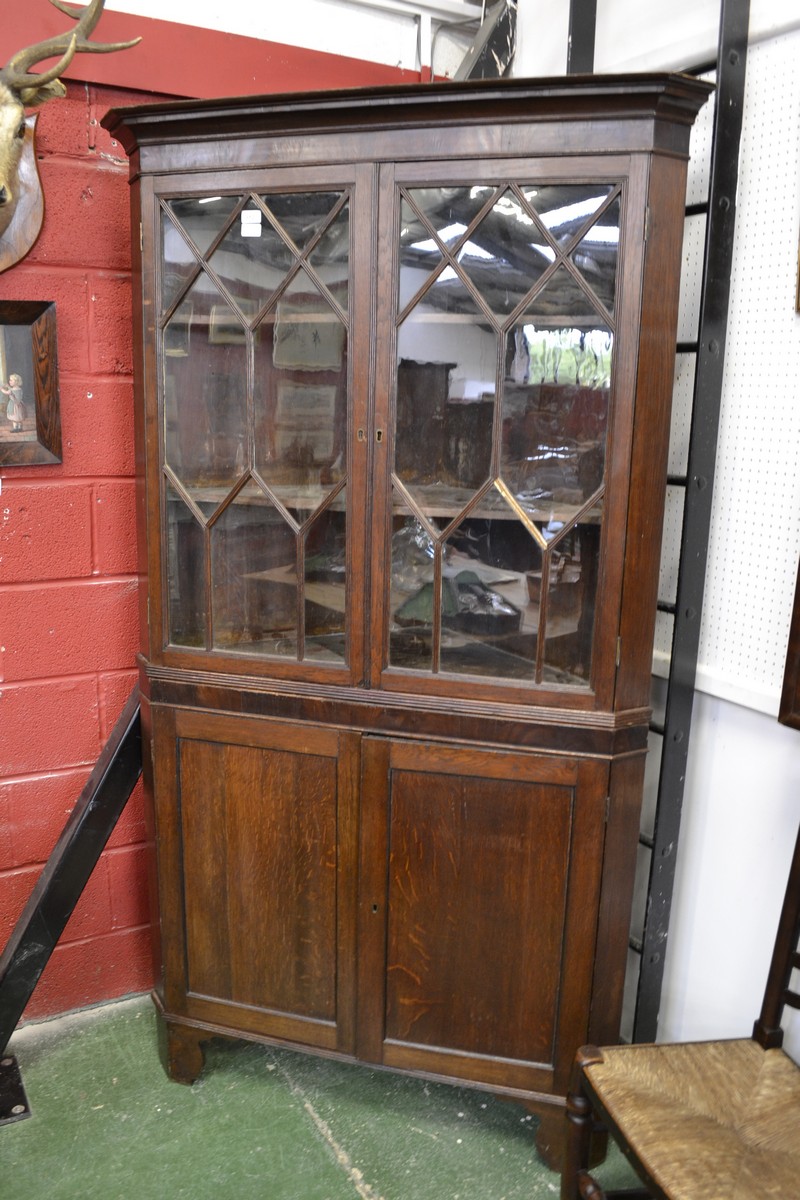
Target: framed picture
30, 419
789, 713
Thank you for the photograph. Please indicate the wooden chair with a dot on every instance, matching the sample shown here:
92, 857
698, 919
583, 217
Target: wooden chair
703, 1120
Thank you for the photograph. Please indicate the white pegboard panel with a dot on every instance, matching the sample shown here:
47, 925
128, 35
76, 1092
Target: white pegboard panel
671, 544
698, 179
694, 237
755, 531
680, 429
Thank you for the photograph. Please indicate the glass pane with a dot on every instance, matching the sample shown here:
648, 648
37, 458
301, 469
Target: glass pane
301, 214
562, 297
300, 396
504, 256
205, 390
447, 364
596, 255
186, 601
252, 260
571, 596
254, 577
203, 217
411, 596
326, 585
308, 335
451, 210
489, 623
330, 258
419, 254
565, 208
555, 418
178, 263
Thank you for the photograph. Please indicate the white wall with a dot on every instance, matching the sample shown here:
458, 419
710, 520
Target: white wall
742, 799
335, 26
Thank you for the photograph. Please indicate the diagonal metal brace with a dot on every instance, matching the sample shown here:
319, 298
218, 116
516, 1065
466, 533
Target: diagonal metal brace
67, 871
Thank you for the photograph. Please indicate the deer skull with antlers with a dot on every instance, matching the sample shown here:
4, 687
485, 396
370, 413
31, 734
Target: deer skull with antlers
21, 89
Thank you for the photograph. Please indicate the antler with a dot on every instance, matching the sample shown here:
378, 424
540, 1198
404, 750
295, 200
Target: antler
15, 74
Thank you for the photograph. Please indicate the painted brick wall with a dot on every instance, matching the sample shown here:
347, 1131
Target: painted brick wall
68, 614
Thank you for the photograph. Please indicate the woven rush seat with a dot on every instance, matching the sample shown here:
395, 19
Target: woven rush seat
708, 1120
699, 1120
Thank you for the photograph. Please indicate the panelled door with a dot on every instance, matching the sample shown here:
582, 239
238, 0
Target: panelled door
258, 829
480, 872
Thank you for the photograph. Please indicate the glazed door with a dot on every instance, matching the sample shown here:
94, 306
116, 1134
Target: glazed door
261, 361
497, 384
480, 874
258, 856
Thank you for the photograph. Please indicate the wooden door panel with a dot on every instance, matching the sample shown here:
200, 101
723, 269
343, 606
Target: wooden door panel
477, 880
259, 843
483, 884
267, 905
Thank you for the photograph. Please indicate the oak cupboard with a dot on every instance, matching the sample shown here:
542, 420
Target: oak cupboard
404, 365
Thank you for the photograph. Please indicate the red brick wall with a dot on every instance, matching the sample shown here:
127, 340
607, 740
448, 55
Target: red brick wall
68, 616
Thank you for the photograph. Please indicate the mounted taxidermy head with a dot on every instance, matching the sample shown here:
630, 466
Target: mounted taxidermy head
21, 89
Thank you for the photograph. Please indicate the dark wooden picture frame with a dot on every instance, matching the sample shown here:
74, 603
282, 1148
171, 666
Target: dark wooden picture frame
789, 712
30, 418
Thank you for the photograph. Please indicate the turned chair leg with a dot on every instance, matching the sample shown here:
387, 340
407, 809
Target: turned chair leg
577, 1145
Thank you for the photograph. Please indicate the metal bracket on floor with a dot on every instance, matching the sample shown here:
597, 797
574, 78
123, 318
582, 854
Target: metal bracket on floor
59, 887
13, 1101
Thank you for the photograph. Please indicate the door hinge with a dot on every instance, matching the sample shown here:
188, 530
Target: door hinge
646, 222
618, 658
608, 808
141, 238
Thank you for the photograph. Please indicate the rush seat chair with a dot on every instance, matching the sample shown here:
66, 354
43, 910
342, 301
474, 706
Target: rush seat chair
703, 1120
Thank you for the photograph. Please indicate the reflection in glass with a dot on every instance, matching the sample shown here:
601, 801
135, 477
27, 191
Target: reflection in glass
203, 217
252, 260
326, 584
447, 366
186, 556
205, 390
448, 210
300, 396
254, 585
596, 255
498, 514
301, 214
571, 593
504, 256
411, 592
178, 260
488, 625
255, 422
555, 417
562, 298
330, 258
564, 208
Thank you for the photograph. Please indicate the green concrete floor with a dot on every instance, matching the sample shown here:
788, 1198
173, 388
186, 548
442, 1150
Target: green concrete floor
260, 1123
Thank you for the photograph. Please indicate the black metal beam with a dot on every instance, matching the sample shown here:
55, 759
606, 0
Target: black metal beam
713, 322
580, 45
68, 868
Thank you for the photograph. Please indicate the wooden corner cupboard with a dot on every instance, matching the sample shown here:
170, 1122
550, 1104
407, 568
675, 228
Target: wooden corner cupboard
404, 366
